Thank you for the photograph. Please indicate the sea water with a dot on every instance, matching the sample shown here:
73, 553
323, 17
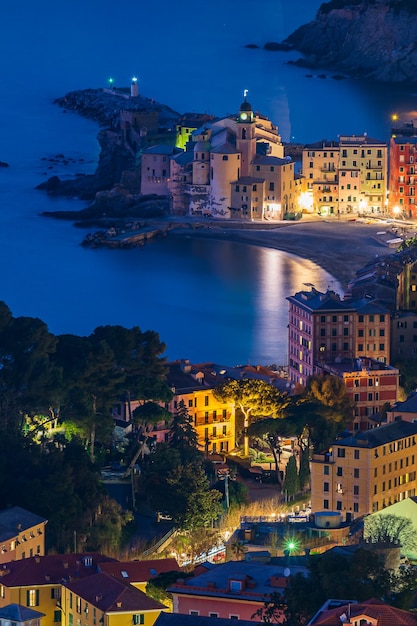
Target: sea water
209, 300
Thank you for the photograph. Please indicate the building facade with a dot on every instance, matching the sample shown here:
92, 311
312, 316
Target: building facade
349, 176
231, 168
403, 177
367, 471
22, 534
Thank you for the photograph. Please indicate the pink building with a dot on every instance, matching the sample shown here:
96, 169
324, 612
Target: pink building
232, 590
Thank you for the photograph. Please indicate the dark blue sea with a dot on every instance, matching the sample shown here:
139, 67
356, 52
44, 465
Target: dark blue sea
208, 300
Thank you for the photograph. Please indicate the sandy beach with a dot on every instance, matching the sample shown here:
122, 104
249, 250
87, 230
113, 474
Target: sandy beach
339, 247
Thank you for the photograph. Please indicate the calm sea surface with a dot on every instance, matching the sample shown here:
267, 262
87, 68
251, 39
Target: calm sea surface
208, 300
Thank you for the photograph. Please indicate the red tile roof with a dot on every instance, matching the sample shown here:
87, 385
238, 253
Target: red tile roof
111, 595
375, 609
54, 568
139, 571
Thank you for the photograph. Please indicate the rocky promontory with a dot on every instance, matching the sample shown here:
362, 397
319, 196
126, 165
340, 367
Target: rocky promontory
374, 39
104, 107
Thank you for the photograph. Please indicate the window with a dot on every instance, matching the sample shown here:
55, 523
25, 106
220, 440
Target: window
338, 505
341, 453
360, 332
326, 470
325, 486
71, 620
356, 454
235, 585
271, 186
355, 490
356, 473
325, 504
213, 615
206, 400
32, 597
339, 471
225, 158
2, 591
78, 605
70, 600
194, 612
56, 593
355, 507
138, 618
57, 616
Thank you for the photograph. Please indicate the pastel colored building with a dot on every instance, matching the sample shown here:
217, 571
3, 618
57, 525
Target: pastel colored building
366, 472
36, 582
348, 176
371, 612
370, 385
232, 590
104, 600
22, 534
231, 168
403, 177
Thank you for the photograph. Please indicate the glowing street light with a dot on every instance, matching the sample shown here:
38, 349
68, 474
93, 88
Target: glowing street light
111, 83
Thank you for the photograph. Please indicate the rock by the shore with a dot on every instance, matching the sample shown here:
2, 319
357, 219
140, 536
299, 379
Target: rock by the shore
373, 40
4, 164
276, 46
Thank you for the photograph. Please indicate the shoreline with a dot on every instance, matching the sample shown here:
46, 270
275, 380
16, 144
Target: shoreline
341, 248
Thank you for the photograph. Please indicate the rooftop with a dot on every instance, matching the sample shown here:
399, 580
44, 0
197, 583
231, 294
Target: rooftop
139, 571
380, 436
15, 520
111, 595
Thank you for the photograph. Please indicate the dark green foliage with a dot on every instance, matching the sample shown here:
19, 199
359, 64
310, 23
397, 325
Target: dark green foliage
182, 435
304, 471
291, 481
408, 374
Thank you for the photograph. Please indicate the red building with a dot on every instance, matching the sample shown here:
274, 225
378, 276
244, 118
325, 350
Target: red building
403, 176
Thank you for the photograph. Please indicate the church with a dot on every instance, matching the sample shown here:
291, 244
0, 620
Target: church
231, 168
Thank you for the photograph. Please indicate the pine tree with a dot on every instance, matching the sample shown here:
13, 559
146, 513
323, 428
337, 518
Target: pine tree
291, 481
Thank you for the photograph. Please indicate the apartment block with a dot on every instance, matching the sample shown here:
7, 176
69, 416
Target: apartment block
366, 471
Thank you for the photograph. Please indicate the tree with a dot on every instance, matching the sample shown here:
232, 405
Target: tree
28, 376
197, 506
182, 435
253, 397
272, 611
145, 416
304, 470
271, 430
390, 529
315, 424
291, 481
330, 391
92, 382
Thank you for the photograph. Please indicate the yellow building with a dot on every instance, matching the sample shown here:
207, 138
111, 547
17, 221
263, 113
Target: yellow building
22, 534
214, 421
102, 600
36, 582
366, 472
347, 176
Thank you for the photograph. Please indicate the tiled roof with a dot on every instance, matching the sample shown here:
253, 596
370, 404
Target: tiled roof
408, 406
162, 149
46, 570
110, 595
374, 609
216, 582
226, 148
379, 436
269, 160
316, 301
247, 180
19, 613
139, 571
15, 520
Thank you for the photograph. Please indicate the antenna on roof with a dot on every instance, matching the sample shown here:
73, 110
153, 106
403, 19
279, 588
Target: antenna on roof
245, 93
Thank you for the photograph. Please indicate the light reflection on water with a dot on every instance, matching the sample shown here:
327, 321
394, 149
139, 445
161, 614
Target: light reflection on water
212, 300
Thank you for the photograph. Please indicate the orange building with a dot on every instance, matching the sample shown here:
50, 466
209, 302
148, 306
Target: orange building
369, 384
22, 534
403, 176
367, 471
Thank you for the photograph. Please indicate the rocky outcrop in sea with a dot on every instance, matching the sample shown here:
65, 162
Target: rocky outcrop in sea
374, 39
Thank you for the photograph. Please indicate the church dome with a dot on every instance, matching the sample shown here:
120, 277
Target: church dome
245, 106
202, 146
